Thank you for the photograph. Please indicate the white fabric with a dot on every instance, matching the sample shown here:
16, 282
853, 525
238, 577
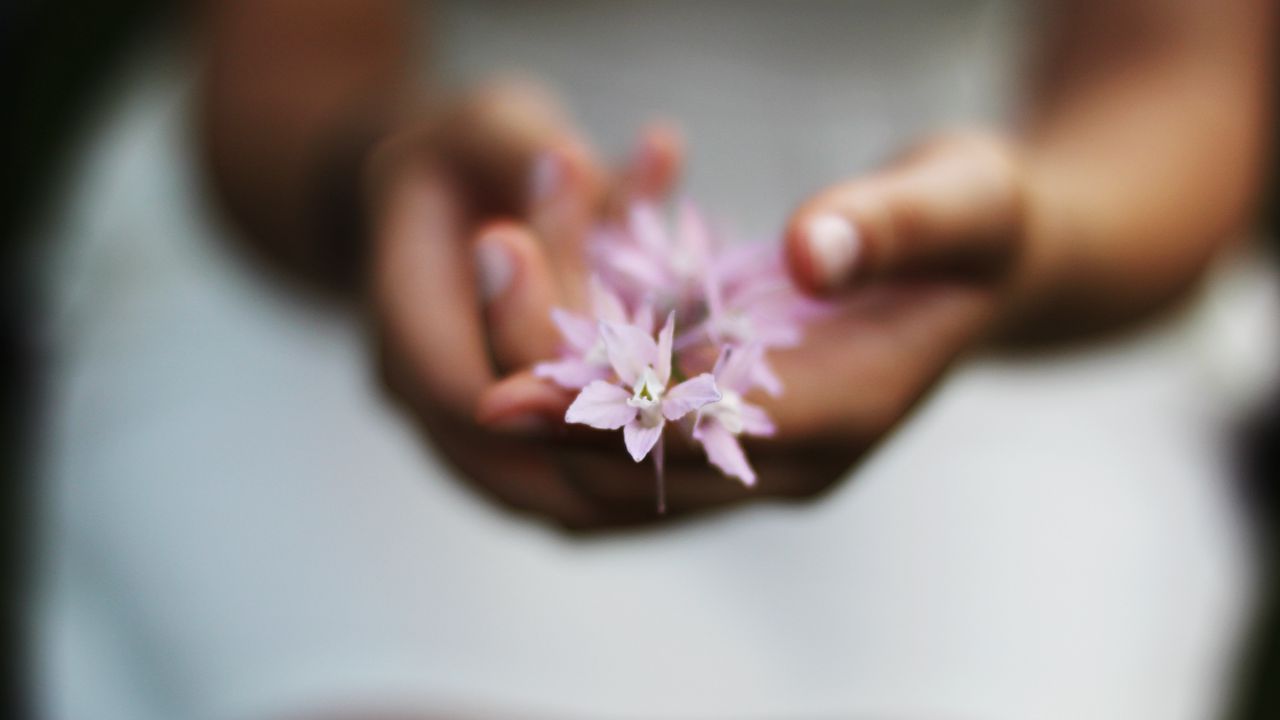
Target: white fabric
241, 527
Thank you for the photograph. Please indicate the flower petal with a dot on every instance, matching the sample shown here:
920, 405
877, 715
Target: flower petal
579, 332
748, 263
689, 396
755, 421
635, 265
601, 405
714, 298
772, 308
641, 439
724, 451
630, 350
695, 237
570, 373
647, 229
762, 375
662, 368
736, 367
697, 334
643, 318
778, 335
605, 303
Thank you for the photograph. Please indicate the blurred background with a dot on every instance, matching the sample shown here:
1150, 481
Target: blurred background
212, 512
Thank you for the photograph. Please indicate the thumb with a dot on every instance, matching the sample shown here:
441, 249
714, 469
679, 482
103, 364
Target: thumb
953, 207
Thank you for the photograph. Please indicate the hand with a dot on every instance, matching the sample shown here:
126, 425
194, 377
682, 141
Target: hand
479, 219
927, 257
921, 258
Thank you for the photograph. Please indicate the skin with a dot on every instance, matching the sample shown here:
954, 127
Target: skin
1139, 159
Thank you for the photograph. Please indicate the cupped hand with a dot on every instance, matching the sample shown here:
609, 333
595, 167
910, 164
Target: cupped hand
921, 261
927, 258
478, 221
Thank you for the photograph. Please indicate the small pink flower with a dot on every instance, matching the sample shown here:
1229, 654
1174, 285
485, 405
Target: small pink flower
734, 301
584, 357
642, 404
719, 424
751, 300
647, 259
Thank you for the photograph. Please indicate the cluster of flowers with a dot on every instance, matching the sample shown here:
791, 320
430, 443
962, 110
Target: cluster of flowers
725, 305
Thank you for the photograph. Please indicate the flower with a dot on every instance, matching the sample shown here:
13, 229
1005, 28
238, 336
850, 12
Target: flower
750, 299
644, 258
719, 424
734, 302
585, 358
755, 303
642, 403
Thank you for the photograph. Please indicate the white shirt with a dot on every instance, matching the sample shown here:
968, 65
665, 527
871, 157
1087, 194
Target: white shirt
240, 526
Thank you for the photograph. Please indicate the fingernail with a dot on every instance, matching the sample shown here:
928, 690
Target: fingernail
548, 176
494, 268
833, 245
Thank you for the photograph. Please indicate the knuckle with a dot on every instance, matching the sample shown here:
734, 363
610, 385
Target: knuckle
905, 220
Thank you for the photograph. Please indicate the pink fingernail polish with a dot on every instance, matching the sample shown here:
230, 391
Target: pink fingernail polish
494, 268
833, 244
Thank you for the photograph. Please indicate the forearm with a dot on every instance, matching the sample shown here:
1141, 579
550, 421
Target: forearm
291, 92
1143, 158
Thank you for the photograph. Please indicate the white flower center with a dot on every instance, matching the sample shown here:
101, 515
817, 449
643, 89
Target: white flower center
728, 410
684, 263
646, 396
737, 326
598, 354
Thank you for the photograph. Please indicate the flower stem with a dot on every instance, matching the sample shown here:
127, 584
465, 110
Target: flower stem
658, 469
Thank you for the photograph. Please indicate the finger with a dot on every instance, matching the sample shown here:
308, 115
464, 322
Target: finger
424, 294
431, 329
652, 171
567, 187
493, 137
955, 206
518, 292
524, 403
564, 183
